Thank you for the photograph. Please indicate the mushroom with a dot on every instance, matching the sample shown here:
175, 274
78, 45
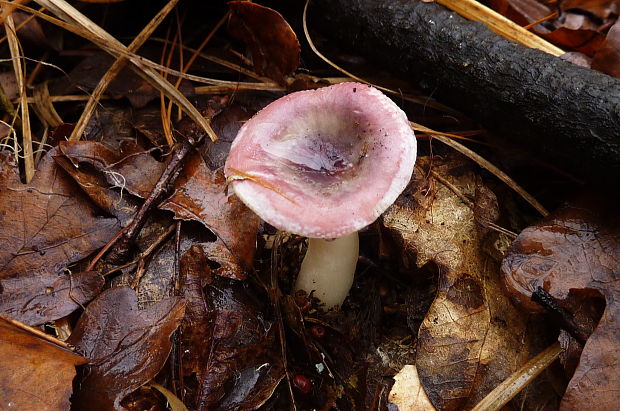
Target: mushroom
324, 164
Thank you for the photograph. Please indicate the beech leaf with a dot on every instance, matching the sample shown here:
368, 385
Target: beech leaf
574, 254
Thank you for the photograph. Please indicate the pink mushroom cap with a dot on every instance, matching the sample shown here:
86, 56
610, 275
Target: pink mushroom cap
323, 163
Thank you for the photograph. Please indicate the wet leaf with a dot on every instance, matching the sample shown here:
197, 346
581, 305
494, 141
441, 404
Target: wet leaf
607, 58
113, 202
599, 8
574, 255
472, 337
271, 40
132, 168
200, 195
35, 374
126, 346
226, 125
35, 299
197, 326
227, 349
48, 224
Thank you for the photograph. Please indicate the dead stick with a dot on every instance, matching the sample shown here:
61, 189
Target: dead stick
567, 114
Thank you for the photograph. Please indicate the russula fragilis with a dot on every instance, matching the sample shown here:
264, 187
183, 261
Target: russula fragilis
324, 164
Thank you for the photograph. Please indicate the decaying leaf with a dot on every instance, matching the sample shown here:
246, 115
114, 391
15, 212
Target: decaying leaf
472, 338
574, 254
607, 57
35, 299
229, 351
35, 374
48, 224
201, 195
271, 40
131, 168
126, 346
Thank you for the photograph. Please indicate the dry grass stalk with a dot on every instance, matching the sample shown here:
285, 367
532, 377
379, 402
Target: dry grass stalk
14, 47
44, 107
115, 68
119, 49
18, 28
81, 24
7, 10
512, 385
508, 29
486, 165
195, 54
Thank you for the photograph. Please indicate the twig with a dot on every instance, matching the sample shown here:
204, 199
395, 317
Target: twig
147, 254
563, 316
128, 235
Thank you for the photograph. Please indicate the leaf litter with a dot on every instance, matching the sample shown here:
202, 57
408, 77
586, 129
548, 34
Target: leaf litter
201, 307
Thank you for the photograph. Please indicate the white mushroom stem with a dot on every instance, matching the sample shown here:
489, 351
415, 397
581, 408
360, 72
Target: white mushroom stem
328, 269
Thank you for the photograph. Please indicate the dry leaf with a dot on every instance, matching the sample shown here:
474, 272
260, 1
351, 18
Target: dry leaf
35, 374
407, 393
132, 168
472, 338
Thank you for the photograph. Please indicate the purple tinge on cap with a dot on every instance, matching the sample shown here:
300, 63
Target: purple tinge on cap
323, 163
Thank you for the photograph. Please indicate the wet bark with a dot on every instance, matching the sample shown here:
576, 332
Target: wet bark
566, 113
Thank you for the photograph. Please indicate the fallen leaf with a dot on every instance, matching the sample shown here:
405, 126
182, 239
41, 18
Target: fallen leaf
228, 352
472, 338
244, 366
132, 168
126, 346
271, 40
197, 326
407, 393
574, 254
48, 224
113, 201
607, 57
34, 299
38, 33
226, 125
201, 195
35, 374
600, 8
